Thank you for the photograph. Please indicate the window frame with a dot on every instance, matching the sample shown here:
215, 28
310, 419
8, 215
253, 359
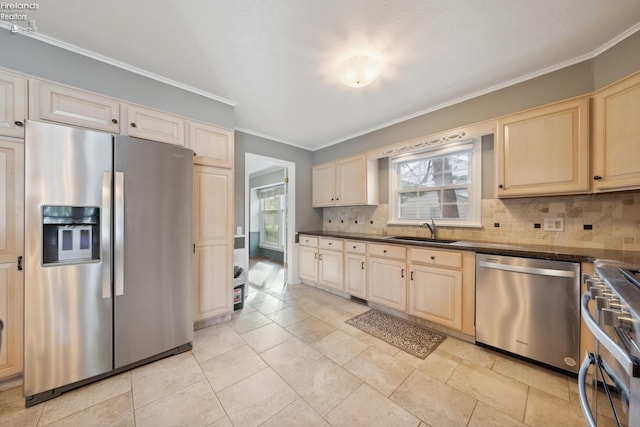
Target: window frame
475, 186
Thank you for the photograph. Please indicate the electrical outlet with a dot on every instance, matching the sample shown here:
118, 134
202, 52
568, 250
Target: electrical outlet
553, 224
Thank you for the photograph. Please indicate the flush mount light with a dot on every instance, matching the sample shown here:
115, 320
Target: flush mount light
359, 70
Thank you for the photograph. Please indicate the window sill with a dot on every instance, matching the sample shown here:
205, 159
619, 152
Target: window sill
272, 248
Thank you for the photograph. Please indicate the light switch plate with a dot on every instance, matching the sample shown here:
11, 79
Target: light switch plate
553, 224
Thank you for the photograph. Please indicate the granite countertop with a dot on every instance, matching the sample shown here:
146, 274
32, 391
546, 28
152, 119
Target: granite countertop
560, 253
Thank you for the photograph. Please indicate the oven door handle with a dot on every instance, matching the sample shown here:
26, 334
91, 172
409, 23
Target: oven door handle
605, 340
582, 389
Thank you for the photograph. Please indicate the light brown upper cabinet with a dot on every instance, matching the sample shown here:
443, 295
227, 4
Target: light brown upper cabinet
154, 125
543, 151
62, 104
13, 104
212, 145
616, 145
350, 181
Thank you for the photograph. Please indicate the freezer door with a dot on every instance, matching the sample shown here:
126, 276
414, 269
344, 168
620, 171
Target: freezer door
68, 304
153, 246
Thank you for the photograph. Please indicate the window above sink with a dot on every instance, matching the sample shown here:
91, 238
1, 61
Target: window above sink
442, 183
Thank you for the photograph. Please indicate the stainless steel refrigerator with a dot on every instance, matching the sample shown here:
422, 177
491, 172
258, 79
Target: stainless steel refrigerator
108, 255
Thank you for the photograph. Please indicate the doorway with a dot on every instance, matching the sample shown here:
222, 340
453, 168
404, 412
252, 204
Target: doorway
269, 220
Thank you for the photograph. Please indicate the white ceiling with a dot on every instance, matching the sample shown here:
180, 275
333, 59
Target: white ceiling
275, 60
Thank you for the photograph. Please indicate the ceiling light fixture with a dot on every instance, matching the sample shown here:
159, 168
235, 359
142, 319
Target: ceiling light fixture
359, 70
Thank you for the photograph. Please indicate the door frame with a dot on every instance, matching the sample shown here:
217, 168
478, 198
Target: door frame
290, 208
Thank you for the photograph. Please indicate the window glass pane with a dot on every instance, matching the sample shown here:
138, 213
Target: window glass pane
271, 227
435, 186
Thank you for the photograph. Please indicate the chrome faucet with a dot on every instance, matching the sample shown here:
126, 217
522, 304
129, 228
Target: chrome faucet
431, 227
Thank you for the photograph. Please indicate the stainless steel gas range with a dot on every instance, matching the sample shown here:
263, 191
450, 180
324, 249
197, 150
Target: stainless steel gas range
611, 310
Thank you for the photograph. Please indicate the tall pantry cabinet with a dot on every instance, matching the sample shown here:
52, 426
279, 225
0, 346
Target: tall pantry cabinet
213, 222
13, 102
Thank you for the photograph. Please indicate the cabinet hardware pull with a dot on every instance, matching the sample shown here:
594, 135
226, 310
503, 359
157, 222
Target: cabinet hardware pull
315, 255
133, 125
362, 266
384, 251
597, 178
330, 243
402, 273
114, 121
320, 257
18, 123
354, 246
500, 186
433, 257
20, 263
412, 275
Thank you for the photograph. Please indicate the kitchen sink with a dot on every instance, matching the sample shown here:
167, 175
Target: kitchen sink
419, 239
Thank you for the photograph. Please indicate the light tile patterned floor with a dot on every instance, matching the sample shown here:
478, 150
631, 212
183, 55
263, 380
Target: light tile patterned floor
288, 359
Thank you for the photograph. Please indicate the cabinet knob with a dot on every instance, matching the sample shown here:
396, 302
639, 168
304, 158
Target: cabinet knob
597, 178
18, 123
133, 125
332, 199
354, 246
402, 273
330, 243
384, 251
412, 275
433, 257
114, 121
500, 186
362, 266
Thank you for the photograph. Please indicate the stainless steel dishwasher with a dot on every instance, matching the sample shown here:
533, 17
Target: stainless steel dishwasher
529, 307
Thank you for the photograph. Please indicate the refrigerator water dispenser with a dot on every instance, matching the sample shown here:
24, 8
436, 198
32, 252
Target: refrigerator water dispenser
70, 234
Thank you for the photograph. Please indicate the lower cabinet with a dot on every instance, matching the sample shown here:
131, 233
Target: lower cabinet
355, 269
330, 266
435, 294
441, 287
386, 271
308, 262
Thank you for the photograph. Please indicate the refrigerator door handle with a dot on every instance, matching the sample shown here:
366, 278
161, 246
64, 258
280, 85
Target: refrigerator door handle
105, 234
118, 235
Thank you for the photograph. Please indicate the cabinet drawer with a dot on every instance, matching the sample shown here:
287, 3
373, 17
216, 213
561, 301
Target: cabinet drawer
308, 241
332, 244
354, 247
387, 251
436, 257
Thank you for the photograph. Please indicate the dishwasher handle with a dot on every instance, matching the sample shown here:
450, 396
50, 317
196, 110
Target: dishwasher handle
529, 270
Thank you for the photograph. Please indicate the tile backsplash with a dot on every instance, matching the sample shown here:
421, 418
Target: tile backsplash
609, 221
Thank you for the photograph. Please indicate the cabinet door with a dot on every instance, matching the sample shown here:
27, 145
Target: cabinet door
213, 146
308, 263
323, 177
11, 247
355, 275
435, 294
213, 237
544, 151
351, 181
154, 125
387, 283
616, 158
330, 269
13, 104
74, 107
214, 280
